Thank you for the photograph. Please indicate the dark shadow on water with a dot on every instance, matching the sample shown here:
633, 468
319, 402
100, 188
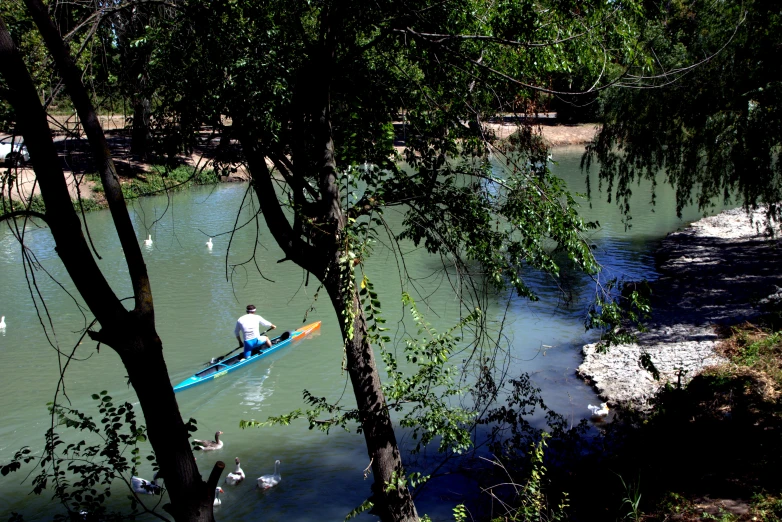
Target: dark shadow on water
723, 287
719, 438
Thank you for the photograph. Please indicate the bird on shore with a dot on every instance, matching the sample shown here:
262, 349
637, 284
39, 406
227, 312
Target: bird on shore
2, 323
209, 244
236, 476
217, 501
148, 240
144, 486
599, 411
208, 445
269, 481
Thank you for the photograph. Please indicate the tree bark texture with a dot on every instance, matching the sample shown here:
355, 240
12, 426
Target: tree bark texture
396, 504
140, 137
130, 333
315, 241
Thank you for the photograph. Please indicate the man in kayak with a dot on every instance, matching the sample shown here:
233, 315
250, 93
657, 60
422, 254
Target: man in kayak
250, 327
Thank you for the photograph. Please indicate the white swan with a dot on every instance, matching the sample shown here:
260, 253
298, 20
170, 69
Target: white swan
208, 445
2, 322
209, 244
237, 476
599, 411
144, 486
269, 481
148, 240
217, 501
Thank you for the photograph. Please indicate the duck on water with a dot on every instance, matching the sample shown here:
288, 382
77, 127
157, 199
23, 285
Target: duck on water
208, 445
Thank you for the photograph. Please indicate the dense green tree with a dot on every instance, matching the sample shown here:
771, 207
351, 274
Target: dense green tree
714, 127
21, 28
129, 23
313, 89
311, 92
130, 333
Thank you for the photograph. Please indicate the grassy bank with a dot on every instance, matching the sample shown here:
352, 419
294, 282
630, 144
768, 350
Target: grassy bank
157, 180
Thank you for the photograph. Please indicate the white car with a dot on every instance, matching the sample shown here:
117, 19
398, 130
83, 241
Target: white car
19, 150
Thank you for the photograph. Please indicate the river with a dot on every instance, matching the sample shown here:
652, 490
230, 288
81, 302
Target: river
197, 300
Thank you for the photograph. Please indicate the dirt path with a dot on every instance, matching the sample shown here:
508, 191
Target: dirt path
69, 123
26, 185
556, 135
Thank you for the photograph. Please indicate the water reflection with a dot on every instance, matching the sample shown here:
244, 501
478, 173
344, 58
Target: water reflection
253, 391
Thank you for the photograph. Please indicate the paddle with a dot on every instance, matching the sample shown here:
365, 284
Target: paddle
218, 359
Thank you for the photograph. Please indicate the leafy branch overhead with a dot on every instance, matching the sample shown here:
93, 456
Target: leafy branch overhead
108, 454
717, 135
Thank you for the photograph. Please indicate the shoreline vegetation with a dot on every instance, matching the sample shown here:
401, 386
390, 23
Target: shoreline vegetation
156, 180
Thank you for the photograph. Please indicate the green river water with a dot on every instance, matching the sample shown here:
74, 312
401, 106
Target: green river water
196, 310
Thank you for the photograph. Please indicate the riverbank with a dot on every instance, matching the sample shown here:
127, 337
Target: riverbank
717, 272
73, 148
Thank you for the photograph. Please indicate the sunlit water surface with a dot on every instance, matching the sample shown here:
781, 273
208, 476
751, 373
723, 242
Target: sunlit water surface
198, 296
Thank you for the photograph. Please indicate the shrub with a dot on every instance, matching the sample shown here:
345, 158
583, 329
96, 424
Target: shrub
163, 180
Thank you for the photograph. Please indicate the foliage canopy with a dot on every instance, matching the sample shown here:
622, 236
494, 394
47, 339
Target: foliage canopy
717, 131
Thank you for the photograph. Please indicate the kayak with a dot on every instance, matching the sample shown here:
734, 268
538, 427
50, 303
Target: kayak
221, 368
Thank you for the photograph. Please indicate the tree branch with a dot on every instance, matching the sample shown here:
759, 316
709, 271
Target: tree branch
61, 216
24, 213
292, 245
71, 75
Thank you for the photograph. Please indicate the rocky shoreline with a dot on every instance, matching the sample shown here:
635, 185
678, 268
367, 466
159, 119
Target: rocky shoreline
719, 271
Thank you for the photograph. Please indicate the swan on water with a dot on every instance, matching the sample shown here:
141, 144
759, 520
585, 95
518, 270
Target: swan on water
269, 481
148, 240
208, 445
237, 476
144, 486
209, 243
2, 322
599, 411
217, 501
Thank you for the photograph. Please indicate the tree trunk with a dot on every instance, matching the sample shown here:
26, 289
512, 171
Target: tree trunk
318, 246
395, 504
131, 334
321, 258
192, 498
140, 136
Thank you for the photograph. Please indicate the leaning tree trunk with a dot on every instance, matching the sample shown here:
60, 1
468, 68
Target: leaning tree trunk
390, 504
167, 432
130, 333
321, 258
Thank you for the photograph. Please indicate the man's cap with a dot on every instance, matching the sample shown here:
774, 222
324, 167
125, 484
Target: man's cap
250, 308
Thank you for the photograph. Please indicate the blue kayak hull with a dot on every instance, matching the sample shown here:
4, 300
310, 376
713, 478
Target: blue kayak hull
223, 368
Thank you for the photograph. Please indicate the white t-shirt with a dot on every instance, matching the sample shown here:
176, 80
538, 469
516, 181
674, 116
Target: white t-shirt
250, 325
